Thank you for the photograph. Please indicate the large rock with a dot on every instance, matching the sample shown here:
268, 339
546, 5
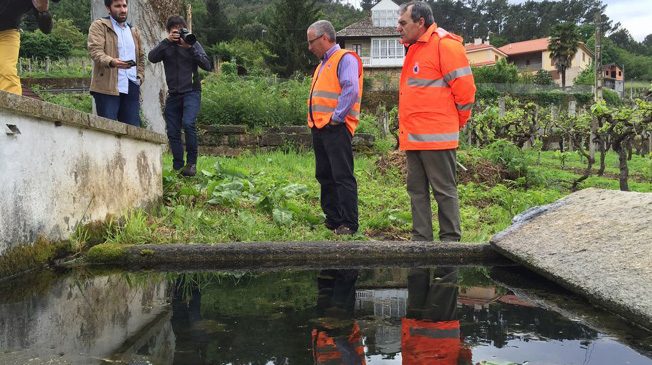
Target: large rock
597, 243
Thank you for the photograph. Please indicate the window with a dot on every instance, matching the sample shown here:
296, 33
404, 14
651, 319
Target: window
357, 48
527, 62
496, 58
385, 18
387, 48
620, 73
583, 56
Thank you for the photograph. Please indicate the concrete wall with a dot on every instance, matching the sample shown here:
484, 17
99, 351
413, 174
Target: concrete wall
60, 167
142, 16
79, 320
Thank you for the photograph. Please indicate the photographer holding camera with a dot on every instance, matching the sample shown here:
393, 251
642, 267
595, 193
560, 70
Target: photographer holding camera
118, 65
181, 55
11, 12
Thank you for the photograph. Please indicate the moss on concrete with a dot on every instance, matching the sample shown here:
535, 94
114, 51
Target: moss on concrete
23, 258
147, 252
106, 253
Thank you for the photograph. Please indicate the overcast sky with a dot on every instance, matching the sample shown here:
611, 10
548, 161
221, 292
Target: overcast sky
634, 15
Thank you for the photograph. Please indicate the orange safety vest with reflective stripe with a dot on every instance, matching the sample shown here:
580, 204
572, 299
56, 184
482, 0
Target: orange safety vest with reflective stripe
326, 352
428, 342
326, 89
436, 92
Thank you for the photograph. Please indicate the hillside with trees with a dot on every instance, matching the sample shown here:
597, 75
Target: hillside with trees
267, 37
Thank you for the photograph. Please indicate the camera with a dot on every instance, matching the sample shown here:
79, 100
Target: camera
187, 37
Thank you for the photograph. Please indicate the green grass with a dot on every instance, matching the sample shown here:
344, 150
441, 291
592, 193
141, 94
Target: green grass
227, 203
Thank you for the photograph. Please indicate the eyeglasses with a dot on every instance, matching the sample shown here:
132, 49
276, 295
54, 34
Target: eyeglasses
312, 40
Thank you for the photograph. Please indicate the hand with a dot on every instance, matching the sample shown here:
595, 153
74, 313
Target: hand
41, 5
332, 122
174, 36
118, 63
184, 44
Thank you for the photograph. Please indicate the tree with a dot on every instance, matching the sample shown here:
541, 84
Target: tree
543, 77
41, 46
216, 24
78, 11
366, 5
501, 73
286, 36
564, 43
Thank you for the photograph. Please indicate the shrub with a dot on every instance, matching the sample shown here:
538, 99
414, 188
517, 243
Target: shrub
253, 101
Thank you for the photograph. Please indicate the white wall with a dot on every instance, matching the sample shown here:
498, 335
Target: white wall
67, 167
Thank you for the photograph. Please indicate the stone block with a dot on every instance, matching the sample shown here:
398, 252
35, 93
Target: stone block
271, 139
107, 125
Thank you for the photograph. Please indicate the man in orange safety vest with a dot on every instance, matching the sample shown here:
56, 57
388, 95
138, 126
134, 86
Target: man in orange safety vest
436, 94
333, 114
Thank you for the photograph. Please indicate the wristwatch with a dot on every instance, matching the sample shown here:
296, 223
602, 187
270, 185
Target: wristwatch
44, 14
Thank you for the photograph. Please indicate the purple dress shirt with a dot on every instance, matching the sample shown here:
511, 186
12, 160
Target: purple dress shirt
347, 73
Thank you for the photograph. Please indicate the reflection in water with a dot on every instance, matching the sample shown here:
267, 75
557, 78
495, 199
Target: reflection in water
431, 331
380, 316
337, 339
186, 320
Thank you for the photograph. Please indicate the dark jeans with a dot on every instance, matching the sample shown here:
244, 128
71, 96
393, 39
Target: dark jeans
334, 171
180, 113
124, 107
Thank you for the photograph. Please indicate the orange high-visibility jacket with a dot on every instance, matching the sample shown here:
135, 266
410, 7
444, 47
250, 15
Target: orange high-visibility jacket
428, 342
325, 91
436, 93
325, 350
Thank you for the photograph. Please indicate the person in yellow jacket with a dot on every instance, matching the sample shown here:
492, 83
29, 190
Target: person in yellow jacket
436, 93
333, 114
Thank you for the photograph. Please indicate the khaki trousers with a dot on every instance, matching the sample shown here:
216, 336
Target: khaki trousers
434, 169
9, 46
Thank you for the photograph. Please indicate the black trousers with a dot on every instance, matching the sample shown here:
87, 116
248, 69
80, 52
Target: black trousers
334, 172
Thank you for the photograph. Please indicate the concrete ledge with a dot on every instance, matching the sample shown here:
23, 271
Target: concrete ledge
65, 116
306, 254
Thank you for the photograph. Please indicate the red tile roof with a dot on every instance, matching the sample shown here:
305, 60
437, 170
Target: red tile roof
483, 63
535, 45
475, 47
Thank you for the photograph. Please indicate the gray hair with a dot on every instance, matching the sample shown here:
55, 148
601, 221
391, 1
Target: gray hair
419, 10
322, 27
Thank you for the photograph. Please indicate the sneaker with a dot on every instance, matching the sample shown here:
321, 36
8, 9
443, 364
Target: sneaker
190, 170
341, 230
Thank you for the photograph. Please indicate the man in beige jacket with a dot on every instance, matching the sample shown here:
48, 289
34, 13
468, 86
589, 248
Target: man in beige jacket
118, 64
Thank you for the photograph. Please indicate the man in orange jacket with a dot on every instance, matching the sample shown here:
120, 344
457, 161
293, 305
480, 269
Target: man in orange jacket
333, 114
436, 94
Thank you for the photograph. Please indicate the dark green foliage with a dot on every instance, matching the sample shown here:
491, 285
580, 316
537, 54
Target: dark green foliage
543, 77
215, 26
78, 11
41, 46
611, 97
286, 36
501, 73
586, 77
255, 102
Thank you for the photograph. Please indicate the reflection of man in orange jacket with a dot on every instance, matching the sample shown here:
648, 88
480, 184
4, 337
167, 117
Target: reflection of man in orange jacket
337, 339
436, 94
430, 333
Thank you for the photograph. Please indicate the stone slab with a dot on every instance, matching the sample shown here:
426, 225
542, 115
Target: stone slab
597, 243
309, 254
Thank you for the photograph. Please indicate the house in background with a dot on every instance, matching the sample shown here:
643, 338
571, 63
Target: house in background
532, 56
614, 78
483, 54
376, 41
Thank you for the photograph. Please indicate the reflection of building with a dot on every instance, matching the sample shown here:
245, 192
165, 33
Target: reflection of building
614, 78
384, 337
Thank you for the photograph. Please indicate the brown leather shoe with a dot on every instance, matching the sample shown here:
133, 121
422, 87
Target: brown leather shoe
190, 170
331, 226
344, 230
